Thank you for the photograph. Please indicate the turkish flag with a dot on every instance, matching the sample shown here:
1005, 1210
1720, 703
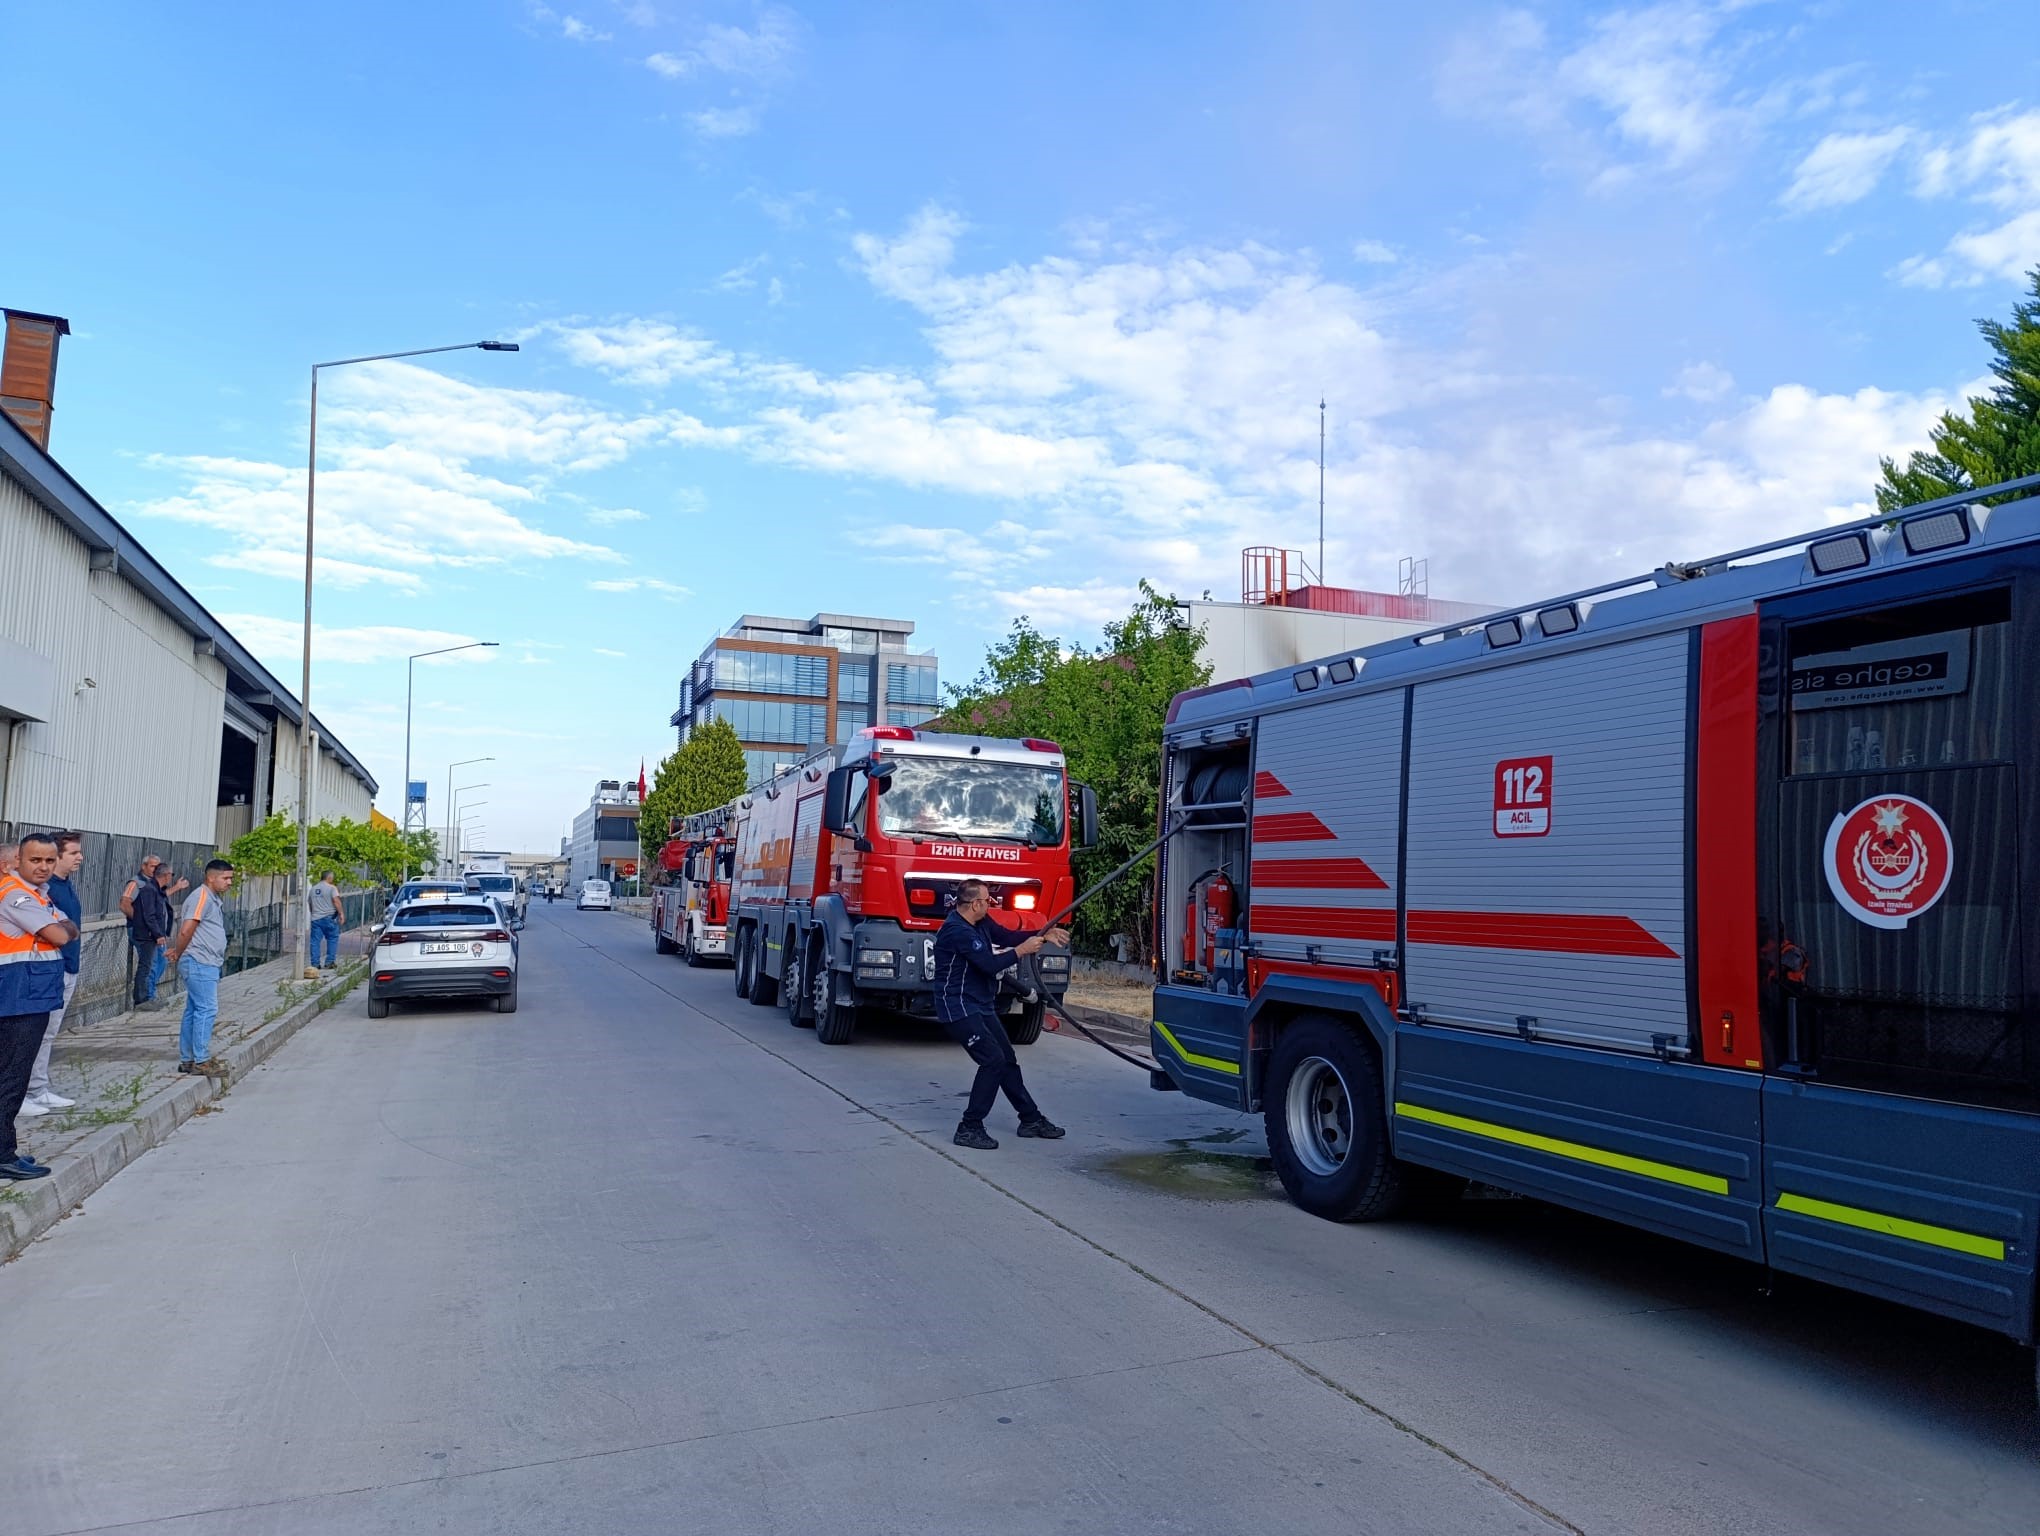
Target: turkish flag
641, 780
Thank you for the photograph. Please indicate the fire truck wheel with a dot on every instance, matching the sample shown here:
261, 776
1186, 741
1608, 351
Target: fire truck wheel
792, 988
835, 1022
1024, 1027
660, 943
1324, 1120
687, 950
745, 959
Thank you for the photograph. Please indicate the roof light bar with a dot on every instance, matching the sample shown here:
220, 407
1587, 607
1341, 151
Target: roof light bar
1306, 680
1937, 530
888, 732
1037, 744
1505, 632
1848, 553
1562, 620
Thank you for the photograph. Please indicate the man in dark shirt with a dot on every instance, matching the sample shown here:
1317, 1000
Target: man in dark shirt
149, 932
970, 952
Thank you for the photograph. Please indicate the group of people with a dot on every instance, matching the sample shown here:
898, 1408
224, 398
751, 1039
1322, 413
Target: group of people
41, 926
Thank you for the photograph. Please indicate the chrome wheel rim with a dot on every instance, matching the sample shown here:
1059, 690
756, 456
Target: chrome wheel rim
818, 986
790, 982
1319, 1114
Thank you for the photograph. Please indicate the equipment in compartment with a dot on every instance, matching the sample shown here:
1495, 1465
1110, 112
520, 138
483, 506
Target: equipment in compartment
1207, 907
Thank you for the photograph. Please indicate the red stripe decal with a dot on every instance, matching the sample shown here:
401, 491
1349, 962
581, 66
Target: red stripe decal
1566, 934
1725, 884
1267, 786
1292, 827
1316, 875
1376, 924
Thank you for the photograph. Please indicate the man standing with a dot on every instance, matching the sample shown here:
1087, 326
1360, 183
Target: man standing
32, 937
324, 903
141, 877
198, 951
149, 929
42, 1098
970, 952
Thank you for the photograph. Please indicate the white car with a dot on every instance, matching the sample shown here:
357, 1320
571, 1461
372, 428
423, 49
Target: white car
594, 893
505, 888
444, 948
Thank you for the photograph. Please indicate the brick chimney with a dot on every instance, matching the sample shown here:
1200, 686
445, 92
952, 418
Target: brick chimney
28, 370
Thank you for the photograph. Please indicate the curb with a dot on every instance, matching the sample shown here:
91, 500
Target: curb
31, 1209
1120, 1028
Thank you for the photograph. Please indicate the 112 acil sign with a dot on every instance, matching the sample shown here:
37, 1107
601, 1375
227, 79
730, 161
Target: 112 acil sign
1523, 797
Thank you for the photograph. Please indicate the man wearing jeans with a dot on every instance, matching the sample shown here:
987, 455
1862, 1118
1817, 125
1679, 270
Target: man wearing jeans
198, 951
42, 1098
324, 903
150, 926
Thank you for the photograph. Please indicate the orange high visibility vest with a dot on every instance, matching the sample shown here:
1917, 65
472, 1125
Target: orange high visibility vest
31, 971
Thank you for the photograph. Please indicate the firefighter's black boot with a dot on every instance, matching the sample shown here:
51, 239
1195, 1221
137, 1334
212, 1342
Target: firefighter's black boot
972, 1134
1043, 1127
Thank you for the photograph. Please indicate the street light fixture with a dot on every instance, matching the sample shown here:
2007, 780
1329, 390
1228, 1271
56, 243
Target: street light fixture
409, 662
448, 850
453, 828
306, 759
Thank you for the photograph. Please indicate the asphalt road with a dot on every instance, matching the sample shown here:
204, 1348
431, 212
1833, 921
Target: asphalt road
643, 1258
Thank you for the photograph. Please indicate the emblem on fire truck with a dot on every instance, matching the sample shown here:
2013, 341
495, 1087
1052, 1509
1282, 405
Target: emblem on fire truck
1888, 860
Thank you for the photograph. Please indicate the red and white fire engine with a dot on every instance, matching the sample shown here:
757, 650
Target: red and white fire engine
1706, 902
847, 864
691, 890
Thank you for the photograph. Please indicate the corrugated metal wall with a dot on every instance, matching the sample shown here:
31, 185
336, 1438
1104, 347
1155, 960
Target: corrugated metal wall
136, 754
338, 792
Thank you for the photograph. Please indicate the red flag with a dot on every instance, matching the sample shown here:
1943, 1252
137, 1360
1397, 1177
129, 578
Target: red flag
641, 781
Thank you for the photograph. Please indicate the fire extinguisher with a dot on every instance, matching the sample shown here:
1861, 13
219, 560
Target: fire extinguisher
1209, 909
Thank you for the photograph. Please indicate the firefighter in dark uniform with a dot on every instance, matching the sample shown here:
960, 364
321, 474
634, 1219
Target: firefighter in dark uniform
970, 952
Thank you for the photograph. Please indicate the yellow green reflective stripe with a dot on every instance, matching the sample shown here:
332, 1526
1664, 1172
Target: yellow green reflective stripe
1894, 1226
1714, 1184
1209, 1063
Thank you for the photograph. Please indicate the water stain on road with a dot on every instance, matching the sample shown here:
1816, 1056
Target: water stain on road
1190, 1172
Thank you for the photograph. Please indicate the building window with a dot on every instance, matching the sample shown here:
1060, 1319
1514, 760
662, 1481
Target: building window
907, 716
853, 681
766, 720
804, 677
909, 684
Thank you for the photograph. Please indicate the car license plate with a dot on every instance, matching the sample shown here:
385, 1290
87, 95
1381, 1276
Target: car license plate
442, 949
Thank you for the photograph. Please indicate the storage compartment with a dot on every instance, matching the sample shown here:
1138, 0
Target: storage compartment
1204, 870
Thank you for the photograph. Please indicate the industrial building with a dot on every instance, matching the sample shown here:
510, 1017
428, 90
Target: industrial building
129, 711
603, 844
790, 686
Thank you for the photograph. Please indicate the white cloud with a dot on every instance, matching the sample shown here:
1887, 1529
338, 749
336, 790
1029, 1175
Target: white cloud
1703, 382
1843, 168
608, 515
1375, 252
572, 28
1995, 165
651, 584
744, 275
641, 351
725, 122
604, 651
275, 639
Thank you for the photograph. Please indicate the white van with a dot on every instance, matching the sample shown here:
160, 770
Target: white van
594, 893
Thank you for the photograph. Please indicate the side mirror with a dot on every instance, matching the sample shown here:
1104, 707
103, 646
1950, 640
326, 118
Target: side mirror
836, 801
1087, 816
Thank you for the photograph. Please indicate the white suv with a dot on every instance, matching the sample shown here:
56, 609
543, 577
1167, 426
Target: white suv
594, 893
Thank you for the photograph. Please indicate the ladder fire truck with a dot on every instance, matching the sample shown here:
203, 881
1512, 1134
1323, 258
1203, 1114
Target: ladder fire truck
1704, 902
691, 889
847, 863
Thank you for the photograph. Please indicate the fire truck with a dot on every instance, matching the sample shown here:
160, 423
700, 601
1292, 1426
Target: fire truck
691, 890
847, 863
1704, 902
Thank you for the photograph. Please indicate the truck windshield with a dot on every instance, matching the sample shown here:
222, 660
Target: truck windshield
958, 797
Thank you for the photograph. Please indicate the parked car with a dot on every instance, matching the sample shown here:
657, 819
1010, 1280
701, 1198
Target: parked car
595, 894
510, 895
440, 947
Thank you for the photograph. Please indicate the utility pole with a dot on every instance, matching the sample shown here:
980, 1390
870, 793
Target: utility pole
1321, 491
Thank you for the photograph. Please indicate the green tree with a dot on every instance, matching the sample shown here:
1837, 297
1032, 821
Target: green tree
707, 771
1999, 438
351, 849
1105, 707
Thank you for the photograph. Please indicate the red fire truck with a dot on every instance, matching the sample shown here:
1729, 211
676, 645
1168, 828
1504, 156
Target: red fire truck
1704, 902
847, 864
691, 891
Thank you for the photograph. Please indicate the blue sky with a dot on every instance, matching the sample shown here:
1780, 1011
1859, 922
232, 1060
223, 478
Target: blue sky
960, 311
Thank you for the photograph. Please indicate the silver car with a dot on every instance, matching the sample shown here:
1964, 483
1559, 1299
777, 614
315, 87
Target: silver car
447, 947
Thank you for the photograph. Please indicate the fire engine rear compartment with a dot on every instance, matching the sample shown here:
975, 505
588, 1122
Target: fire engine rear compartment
1553, 869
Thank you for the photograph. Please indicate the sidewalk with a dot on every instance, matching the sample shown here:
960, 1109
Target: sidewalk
123, 1073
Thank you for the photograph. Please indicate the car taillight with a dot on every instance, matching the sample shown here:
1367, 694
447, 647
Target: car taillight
394, 938
497, 936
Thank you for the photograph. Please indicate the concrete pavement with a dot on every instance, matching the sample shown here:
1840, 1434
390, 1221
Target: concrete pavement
641, 1257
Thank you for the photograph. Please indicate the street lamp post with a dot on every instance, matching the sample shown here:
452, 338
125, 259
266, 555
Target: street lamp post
448, 850
408, 666
461, 828
453, 830
306, 760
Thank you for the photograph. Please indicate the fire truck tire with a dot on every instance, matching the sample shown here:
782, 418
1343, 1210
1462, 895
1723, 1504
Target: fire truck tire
1024, 1027
835, 1022
660, 943
741, 974
1326, 1131
687, 950
792, 983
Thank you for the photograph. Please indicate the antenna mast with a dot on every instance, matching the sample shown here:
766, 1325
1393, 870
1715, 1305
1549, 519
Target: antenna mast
1321, 491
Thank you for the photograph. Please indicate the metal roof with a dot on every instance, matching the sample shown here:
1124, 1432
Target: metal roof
72, 505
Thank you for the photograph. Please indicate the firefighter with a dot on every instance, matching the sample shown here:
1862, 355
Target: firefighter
970, 952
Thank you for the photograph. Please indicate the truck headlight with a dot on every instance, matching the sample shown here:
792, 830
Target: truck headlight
1056, 964
882, 961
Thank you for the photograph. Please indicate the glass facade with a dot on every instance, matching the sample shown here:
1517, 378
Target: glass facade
906, 683
767, 720
853, 680
804, 677
895, 715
